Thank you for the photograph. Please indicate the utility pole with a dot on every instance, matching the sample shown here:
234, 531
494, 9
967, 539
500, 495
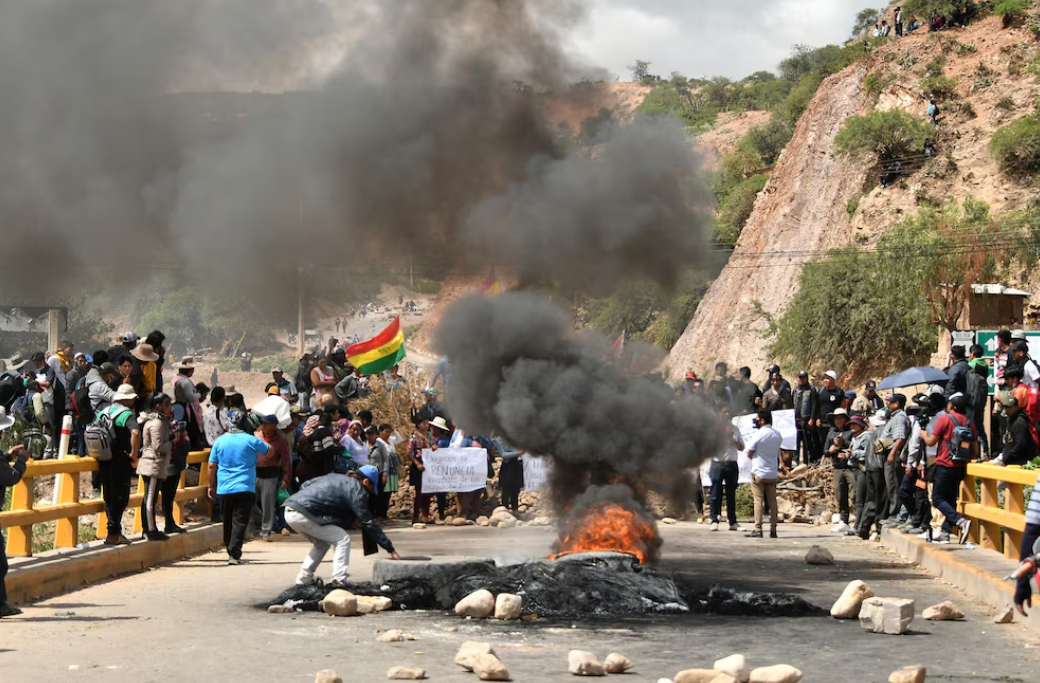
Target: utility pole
53, 330
299, 321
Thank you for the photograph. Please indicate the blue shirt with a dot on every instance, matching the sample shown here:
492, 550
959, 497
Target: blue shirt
235, 457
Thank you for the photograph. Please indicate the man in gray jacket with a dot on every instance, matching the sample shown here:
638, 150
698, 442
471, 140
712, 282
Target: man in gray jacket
322, 512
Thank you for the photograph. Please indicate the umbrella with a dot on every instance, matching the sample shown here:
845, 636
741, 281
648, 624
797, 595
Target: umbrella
908, 378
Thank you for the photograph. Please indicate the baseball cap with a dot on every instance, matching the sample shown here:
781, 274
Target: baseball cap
269, 420
1020, 345
130, 337
273, 391
38, 356
691, 375
371, 473
107, 369
774, 369
833, 375
277, 370
850, 394
871, 384
803, 373
934, 389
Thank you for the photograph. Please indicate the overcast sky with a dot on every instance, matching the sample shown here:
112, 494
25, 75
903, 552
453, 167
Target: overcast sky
732, 38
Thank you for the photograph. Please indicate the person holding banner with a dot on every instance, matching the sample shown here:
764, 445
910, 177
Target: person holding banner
417, 443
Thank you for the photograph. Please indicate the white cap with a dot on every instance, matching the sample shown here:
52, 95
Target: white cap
957, 395
1018, 334
833, 375
935, 389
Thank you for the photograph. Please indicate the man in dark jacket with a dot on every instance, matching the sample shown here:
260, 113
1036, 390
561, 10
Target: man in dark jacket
838, 447
322, 512
957, 372
10, 474
778, 395
831, 397
806, 413
1019, 439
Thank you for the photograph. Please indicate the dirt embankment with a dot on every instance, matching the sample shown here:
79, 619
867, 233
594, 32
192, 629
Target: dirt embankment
802, 208
726, 134
802, 211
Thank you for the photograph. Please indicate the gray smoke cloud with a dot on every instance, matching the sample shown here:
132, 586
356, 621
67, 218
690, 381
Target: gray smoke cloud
521, 371
405, 131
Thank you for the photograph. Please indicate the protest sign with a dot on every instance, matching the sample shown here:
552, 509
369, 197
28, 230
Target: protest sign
783, 422
454, 470
536, 472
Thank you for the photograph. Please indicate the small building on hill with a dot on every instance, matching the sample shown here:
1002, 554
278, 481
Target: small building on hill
995, 306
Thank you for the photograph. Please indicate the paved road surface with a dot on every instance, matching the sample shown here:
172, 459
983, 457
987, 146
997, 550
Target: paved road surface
195, 620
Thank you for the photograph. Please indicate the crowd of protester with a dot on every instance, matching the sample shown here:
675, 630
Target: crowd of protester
895, 457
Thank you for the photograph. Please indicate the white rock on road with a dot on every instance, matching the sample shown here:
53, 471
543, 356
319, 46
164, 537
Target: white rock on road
395, 636
818, 555
368, 604
280, 609
477, 604
734, 665
779, 673
470, 649
489, 668
851, 600
696, 676
340, 603
908, 674
508, 606
669, 520
418, 525
944, 611
459, 521
404, 673
1006, 616
327, 676
887, 615
616, 663
581, 663
724, 678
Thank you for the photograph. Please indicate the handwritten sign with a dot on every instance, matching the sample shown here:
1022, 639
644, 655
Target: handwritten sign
783, 422
454, 470
536, 472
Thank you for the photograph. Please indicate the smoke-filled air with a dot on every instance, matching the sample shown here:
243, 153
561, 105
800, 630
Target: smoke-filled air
521, 371
410, 126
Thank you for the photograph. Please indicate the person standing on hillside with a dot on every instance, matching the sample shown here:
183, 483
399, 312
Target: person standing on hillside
764, 450
232, 479
12, 467
778, 396
933, 112
831, 396
806, 413
897, 21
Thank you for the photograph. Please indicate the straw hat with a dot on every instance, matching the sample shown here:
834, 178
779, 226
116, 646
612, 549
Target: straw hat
145, 353
439, 423
187, 363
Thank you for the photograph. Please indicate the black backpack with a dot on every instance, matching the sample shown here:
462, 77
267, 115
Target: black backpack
11, 387
977, 391
80, 403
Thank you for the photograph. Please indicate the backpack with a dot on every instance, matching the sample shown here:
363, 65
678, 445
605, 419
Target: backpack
101, 433
1032, 406
962, 442
977, 391
80, 403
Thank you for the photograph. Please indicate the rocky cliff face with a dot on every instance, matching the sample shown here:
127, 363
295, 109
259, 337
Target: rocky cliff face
801, 209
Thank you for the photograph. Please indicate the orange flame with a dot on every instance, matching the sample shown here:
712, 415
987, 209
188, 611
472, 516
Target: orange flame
608, 527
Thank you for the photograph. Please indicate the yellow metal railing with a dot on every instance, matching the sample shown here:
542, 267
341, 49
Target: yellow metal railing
986, 510
24, 513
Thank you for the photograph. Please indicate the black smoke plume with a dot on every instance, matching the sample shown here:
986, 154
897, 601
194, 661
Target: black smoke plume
251, 138
521, 371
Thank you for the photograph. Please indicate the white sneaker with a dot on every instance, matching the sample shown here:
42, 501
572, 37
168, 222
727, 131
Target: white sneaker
735, 527
714, 526
923, 536
840, 528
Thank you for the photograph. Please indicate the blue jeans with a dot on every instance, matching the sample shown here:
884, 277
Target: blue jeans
945, 491
724, 475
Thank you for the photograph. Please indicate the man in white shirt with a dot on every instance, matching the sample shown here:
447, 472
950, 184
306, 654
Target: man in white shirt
764, 450
1030, 368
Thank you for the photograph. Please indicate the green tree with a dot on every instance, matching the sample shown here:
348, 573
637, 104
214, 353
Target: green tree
735, 210
865, 20
926, 8
201, 318
641, 72
1016, 147
887, 134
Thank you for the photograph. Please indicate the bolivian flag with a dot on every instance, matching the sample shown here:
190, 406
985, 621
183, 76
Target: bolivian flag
379, 353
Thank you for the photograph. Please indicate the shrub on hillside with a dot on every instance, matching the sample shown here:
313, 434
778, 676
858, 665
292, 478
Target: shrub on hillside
1016, 147
735, 210
769, 140
1010, 10
888, 134
939, 87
